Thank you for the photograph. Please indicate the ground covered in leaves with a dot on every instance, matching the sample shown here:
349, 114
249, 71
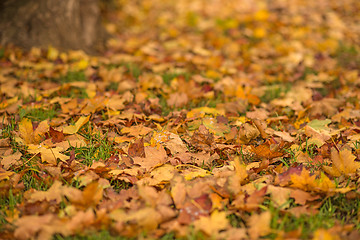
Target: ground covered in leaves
205, 119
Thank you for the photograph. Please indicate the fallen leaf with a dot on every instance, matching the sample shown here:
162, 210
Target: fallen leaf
259, 225
343, 162
71, 129
11, 160
212, 225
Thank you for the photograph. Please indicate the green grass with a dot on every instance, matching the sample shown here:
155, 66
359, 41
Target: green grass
33, 179
72, 76
133, 69
112, 86
348, 56
336, 209
274, 91
98, 147
7, 129
169, 76
37, 114
73, 92
8, 202
118, 185
103, 235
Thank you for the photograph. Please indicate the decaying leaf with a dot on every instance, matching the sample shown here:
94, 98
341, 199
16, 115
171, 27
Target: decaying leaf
202, 119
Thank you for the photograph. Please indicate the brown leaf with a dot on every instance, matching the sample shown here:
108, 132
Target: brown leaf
137, 149
155, 156
56, 136
11, 160
177, 99
248, 132
39, 227
202, 139
138, 130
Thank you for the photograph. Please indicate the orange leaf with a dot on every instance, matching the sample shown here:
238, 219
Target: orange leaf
26, 130
212, 225
259, 225
343, 163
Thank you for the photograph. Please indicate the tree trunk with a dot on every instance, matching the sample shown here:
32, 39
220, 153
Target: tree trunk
64, 24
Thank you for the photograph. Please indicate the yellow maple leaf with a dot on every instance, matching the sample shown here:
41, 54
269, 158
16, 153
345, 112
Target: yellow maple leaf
29, 135
343, 163
195, 172
303, 181
323, 234
200, 112
259, 225
26, 130
212, 225
49, 155
240, 169
54, 193
40, 131
71, 129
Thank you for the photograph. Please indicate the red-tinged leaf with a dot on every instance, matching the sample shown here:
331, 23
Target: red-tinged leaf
56, 136
285, 177
137, 149
264, 151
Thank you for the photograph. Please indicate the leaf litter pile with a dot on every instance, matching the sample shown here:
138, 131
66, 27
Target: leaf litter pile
204, 119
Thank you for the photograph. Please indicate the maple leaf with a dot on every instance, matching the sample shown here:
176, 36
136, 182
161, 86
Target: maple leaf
137, 149
259, 225
279, 195
57, 136
55, 193
155, 156
308, 182
247, 132
178, 191
202, 138
177, 99
159, 175
343, 162
200, 112
194, 172
12, 159
71, 129
175, 144
48, 154
28, 134
212, 225
138, 130
38, 227
147, 218
89, 197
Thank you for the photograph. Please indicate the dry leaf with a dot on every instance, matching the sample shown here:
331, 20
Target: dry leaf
212, 225
259, 225
343, 162
71, 129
